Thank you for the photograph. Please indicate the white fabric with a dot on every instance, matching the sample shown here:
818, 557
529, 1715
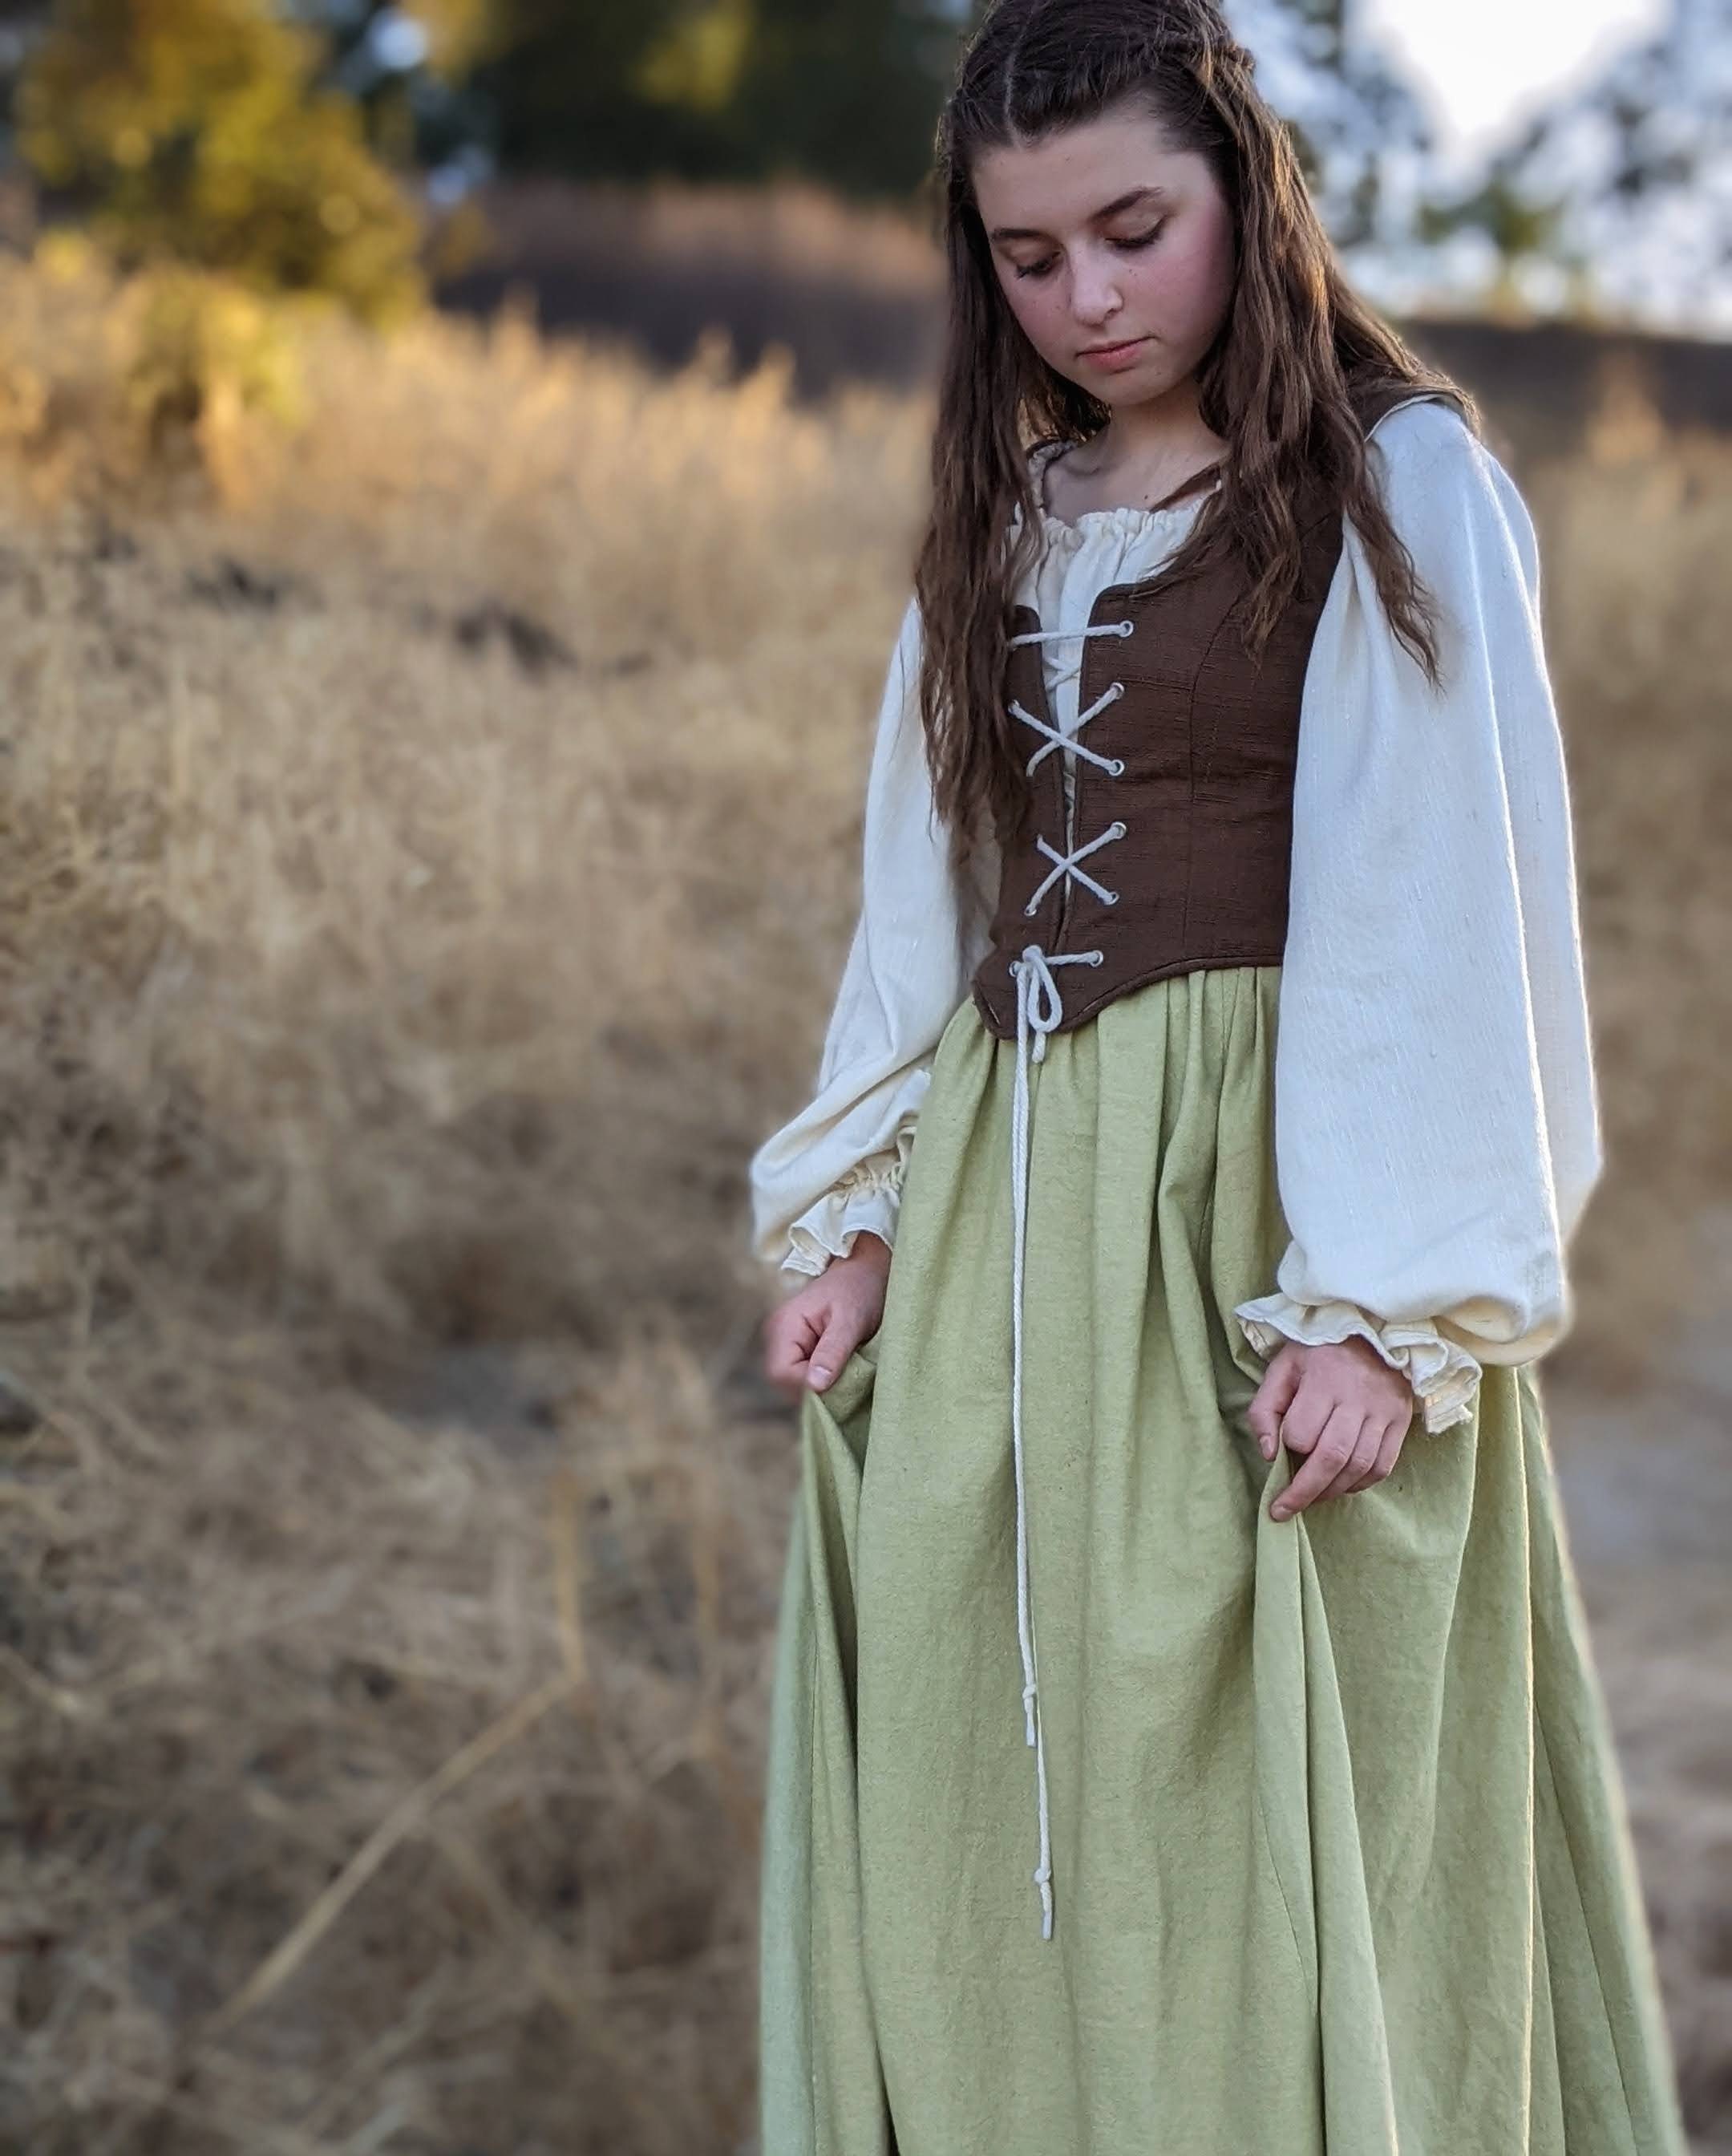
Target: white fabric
836, 1168
1437, 1111
1437, 1114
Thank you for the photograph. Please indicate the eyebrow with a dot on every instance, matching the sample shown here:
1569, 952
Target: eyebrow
1110, 209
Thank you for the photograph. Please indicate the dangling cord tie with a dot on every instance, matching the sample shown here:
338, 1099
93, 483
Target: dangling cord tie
1039, 1010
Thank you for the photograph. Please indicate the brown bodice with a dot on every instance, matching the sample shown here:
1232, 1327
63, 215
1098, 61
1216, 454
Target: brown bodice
1181, 838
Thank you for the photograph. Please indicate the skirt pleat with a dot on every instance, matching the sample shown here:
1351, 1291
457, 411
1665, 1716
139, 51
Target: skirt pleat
1341, 1863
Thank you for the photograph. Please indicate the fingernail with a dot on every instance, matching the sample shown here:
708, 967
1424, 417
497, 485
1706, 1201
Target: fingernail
820, 1376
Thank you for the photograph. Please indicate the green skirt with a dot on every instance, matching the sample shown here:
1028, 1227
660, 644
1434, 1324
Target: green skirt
1340, 1858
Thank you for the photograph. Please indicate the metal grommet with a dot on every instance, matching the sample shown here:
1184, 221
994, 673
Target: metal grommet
1117, 688
1118, 830
1097, 958
1126, 628
1109, 898
1116, 767
1028, 912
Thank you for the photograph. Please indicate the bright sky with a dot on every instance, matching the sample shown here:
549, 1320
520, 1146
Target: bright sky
1480, 65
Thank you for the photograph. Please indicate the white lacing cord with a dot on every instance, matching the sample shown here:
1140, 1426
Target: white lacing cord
1055, 739
1066, 865
1058, 635
1040, 1009
1033, 976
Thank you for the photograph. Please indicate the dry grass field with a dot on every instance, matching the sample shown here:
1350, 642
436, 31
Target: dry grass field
430, 776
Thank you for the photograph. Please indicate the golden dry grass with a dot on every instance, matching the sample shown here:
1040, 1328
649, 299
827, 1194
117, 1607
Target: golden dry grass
429, 848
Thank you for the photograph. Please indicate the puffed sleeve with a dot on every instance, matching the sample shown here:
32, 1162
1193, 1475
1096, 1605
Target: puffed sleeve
837, 1166
1437, 1127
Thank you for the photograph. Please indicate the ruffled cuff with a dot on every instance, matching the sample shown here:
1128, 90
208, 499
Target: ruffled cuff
1445, 1378
869, 1196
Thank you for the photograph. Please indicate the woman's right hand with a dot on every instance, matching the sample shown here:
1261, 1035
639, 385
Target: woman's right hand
808, 1339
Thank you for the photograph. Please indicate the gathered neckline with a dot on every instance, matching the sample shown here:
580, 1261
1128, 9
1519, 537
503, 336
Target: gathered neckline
1124, 518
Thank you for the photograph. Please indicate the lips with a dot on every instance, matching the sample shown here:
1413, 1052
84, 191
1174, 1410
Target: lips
1112, 350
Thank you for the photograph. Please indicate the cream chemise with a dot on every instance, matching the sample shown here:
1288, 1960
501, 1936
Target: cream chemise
1437, 1127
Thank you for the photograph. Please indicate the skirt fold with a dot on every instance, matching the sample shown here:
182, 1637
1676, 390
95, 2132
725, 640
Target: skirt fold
1338, 1860
818, 2058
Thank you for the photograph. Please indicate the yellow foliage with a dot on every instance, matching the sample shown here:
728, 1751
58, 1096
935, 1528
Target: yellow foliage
194, 134
113, 386
697, 63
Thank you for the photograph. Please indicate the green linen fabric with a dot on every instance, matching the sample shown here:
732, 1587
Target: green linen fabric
1340, 1861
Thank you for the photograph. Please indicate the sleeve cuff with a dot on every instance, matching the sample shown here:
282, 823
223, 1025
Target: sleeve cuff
869, 1196
1445, 1378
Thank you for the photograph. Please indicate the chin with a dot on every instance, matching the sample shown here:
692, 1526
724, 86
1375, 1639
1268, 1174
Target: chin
1134, 387
1124, 391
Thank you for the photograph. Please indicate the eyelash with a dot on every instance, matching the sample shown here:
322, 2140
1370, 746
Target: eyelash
1130, 246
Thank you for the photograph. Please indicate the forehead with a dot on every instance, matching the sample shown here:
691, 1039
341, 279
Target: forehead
1069, 176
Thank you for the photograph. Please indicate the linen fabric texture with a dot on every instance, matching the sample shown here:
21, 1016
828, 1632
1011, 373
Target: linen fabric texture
1341, 1860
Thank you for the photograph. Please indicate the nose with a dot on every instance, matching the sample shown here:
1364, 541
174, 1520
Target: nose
1095, 293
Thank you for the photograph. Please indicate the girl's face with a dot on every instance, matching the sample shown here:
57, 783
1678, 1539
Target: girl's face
1115, 253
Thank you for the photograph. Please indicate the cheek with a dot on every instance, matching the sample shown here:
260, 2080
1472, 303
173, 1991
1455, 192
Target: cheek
1188, 283
1038, 308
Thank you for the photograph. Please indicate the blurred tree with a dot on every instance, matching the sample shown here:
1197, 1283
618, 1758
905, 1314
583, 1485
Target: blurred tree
1359, 131
697, 58
845, 91
1620, 195
405, 67
848, 90
1519, 229
195, 130
611, 88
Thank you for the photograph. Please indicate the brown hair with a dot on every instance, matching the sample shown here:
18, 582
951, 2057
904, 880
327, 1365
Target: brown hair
1278, 385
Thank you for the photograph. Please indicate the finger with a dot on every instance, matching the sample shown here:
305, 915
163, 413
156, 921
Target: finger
835, 1344
1361, 1471
1390, 1450
790, 1336
1361, 1451
1305, 1422
1388, 1434
1272, 1400
1333, 1450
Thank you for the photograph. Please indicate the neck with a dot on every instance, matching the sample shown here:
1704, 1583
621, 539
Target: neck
1158, 435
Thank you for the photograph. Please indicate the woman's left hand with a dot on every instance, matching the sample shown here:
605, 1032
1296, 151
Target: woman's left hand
1341, 1405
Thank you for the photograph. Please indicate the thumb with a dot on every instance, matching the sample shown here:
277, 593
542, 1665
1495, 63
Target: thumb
830, 1353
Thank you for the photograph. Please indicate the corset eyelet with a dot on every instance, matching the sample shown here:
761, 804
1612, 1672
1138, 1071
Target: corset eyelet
1109, 898
1127, 628
1029, 912
1118, 830
1117, 767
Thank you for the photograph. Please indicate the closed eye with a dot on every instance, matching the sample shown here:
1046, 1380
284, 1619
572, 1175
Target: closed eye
1133, 245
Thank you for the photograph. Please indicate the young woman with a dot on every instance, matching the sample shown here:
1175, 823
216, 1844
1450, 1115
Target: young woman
1185, 1737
